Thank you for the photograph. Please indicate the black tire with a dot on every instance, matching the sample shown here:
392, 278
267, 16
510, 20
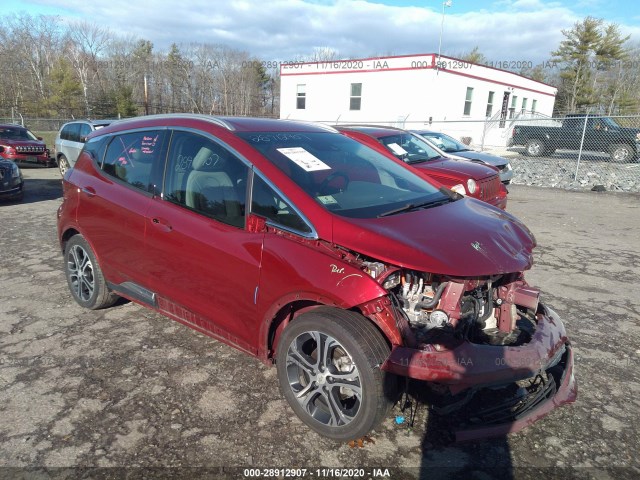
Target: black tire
63, 165
534, 147
621, 152
356, 349
84, 276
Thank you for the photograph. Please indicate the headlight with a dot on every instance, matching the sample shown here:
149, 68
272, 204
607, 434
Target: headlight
15, 171
471, 186
459, 188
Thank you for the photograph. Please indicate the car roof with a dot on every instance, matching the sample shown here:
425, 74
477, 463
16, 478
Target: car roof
234, 124
12, 125
376, 131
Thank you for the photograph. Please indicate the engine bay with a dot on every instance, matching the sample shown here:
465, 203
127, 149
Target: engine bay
495, 310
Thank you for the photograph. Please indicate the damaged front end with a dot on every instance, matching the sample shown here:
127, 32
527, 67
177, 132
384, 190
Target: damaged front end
495, 359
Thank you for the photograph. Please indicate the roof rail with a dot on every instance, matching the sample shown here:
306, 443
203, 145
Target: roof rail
196, 116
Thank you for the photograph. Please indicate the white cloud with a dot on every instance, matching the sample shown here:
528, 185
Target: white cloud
289, 29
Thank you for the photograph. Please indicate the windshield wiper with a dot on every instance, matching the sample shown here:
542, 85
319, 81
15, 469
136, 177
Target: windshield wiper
414, 206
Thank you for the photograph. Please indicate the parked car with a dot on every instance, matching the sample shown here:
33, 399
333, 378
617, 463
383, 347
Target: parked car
451, 146
70, 140
22, 146
462, 176
601, 134
308, 249
11, 181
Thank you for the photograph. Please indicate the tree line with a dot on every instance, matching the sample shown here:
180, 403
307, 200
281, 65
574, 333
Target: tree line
595, 68
82, 70
53, 69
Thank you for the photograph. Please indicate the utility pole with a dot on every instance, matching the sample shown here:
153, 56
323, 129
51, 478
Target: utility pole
447, 3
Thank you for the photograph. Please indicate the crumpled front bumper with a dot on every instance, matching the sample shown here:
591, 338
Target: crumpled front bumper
471, 366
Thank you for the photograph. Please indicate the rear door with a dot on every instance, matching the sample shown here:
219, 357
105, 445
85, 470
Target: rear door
115, 193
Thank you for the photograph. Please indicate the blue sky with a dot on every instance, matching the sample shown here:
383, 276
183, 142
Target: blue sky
524, 30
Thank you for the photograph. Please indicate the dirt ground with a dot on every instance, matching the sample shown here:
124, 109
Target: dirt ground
128, 392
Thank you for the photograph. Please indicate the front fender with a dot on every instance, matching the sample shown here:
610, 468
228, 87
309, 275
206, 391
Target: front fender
317, 278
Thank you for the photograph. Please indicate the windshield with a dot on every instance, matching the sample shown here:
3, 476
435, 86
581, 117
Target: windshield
444, 142
410, 148
610, 122
16, 133
343, 175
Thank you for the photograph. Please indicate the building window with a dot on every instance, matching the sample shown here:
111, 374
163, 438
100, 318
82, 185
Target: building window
524, 105
301, 97
467, 101
512, 109
534, 104
489, 105
355, 102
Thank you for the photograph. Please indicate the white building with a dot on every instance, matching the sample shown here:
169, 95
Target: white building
414, 91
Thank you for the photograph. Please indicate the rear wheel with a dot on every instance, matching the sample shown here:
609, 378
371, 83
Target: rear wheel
328, 364
621, 153
534, 147
63, 164
84, 276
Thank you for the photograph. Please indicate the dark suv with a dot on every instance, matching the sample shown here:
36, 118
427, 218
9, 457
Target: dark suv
307, 249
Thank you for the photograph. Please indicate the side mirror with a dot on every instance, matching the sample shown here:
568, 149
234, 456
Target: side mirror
83, 139
39, 138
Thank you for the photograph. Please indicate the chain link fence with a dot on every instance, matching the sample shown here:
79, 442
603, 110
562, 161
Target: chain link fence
582, 151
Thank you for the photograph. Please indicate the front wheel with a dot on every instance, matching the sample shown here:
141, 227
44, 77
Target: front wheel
328, 364
84, 276
534, 147
621, 153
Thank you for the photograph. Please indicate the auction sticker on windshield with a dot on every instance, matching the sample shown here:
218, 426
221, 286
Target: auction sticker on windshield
397, 149
304, 159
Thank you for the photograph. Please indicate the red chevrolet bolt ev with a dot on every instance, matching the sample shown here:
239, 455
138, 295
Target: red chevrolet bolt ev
313, 252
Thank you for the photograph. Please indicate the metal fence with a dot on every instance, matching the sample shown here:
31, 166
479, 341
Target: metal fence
573, 152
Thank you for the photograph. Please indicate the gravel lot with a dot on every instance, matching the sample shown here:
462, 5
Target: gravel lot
126, 387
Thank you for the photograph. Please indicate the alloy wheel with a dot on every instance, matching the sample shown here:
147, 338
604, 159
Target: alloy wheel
324, 379
80, 271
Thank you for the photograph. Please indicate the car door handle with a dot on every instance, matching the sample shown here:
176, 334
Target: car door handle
161, 224
89, 191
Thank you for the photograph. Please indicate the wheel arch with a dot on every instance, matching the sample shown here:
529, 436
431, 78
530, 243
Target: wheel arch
66, 236
278, 318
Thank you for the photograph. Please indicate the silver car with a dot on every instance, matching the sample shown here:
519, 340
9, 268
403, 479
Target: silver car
453, 147
70, 140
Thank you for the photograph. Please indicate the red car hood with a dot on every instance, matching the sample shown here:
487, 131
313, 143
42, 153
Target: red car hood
21, 143
465, 238
458, 169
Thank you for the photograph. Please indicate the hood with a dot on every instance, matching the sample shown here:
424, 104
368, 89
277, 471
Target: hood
21, 143
458, 169
465, 238
483, 157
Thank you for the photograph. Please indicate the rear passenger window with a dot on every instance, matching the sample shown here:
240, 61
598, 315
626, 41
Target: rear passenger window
203, 176
71, 132
131, 157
